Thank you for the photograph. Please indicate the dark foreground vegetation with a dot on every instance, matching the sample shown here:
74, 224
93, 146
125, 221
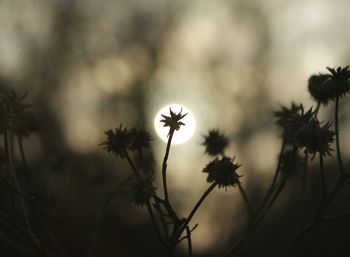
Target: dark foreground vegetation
29, 227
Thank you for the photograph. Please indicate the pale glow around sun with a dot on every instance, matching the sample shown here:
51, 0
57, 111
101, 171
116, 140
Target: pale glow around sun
184, 133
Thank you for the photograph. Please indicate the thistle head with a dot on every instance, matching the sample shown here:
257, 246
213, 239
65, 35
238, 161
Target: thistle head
316, 138
326, 87
140, 139
320, 88
289, 119
215, 143
140, 189
16, 115
223, 172
118, 141
173, 121
121, 140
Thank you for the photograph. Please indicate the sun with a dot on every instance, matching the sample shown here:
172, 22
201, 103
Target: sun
185, 133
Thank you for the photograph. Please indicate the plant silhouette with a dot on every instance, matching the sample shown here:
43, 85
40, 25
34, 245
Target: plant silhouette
305, 139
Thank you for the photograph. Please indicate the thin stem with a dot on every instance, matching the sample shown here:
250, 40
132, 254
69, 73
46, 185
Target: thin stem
304, 175
184, 225
161, 215
189, 241
56, 243
336, 117
345, 183
155, 223
41, 234
12, 170
298, 239
7, 154
6, 176
317, 109
246, 200
164, 165
325, 202
315, 221
5, 181
259, 219
323, 179
277, 172
23, 157
131, 163
198, 204
36, 219
337, 216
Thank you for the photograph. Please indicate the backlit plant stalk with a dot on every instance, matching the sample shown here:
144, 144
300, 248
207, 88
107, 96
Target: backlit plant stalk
16, 121
324, 88
169, 227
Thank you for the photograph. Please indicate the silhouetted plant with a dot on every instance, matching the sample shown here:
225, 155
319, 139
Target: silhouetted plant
303, 132
304, 138
215, 143
170, 228
18, 121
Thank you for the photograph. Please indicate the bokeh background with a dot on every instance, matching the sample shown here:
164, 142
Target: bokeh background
90, 65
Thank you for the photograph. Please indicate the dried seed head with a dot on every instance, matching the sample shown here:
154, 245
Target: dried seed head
215, 143
223, 172
326, 87
173, 121
140, 189
118, 141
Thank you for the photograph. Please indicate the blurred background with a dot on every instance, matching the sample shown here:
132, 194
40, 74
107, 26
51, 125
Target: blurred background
89, 66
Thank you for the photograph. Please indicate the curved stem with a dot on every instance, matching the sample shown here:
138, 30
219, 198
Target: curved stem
194, 210
323, 180
164, 165
131, 163
155, 223
304, 176
277, 172
23, 157
246, 200
317, 108
189, 241
200, 201
325, 202
7, 154
304, 231
336, 117
259, 219
36, 241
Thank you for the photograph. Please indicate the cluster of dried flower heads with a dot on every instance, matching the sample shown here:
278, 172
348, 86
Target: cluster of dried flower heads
303, 135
